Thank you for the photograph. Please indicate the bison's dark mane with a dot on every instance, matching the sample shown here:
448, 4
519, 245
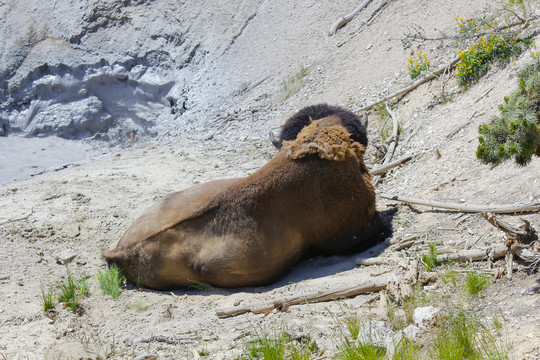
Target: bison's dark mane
303, 118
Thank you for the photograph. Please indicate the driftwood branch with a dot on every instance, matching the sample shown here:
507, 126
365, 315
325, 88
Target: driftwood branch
412, 86
345, 19
521, 235
499, 209
384, 168
331, 294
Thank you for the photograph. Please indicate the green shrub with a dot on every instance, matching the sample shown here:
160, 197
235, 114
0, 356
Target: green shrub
516, 132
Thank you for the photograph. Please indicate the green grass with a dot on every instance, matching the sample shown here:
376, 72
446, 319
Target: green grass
48, 300
462, 336
71, 291
407, 350
359, 350
430, 259
475, 282
278, 345
110, 281
294, 83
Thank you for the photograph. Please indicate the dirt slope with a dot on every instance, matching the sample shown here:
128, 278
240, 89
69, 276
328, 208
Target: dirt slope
240, 95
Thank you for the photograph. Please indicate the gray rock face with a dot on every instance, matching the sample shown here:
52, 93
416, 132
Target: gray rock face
105, 68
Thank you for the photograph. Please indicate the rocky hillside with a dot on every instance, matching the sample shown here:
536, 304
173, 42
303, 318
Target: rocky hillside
175, 93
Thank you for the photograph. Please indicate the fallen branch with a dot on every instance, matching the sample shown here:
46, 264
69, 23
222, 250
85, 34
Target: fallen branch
492, 253
476, 35
384, 168
336, 293
412, 86
499, 209
345, 19
521, 235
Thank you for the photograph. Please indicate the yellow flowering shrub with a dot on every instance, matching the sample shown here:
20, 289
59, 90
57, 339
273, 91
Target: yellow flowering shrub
418, 63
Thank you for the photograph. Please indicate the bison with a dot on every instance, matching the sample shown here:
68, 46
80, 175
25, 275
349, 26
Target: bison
314, 197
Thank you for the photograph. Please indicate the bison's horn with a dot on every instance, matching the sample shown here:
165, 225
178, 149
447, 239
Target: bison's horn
364, 119
274, 141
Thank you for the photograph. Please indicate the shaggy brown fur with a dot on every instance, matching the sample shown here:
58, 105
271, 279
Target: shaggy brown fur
314, 197
357, 127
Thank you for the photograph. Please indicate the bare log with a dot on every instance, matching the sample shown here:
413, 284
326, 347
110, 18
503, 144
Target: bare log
345, 19
412, 86
331, 294
493, 253
499, 209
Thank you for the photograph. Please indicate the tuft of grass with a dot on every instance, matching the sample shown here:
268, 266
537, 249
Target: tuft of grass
294, 83
407, 350
360, 350
463, 337
71, 291
110, 281
475, 282
48, 300
430, 259
278, 345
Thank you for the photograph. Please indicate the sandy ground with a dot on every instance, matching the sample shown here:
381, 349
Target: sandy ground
83, 208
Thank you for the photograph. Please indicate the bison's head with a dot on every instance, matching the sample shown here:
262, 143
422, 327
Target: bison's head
326, 137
